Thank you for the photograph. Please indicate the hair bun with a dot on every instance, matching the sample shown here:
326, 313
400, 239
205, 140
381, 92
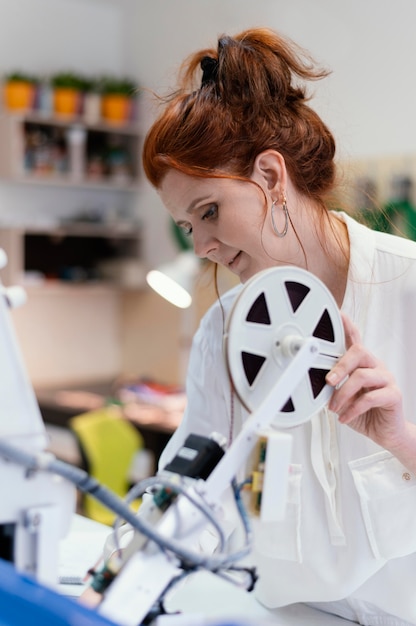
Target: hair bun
209, 67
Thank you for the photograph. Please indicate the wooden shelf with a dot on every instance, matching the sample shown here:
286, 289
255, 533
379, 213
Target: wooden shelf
64, 121
73, 254
56, 180
68, 152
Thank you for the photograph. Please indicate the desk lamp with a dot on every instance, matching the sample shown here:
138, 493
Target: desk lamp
174, 281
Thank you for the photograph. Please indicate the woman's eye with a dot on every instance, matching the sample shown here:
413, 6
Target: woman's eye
211, 212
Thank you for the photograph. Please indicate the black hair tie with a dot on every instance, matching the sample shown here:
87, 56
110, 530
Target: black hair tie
209, 67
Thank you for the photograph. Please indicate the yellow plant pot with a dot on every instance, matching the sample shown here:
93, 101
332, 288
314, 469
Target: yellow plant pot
116, 108
19, 95
66, 101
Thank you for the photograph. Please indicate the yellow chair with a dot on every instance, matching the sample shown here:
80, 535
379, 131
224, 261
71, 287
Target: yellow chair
108, 444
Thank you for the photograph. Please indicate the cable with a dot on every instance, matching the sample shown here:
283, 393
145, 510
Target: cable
244, 518
47, 462
178, 488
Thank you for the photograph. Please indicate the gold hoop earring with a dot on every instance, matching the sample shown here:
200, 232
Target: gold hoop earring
283, 232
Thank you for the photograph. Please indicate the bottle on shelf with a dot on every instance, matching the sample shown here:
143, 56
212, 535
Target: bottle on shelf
45, 150
76, 136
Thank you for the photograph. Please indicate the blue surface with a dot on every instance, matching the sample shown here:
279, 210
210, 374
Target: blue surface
23, 601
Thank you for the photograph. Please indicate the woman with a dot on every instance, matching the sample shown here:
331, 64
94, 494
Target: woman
246, 166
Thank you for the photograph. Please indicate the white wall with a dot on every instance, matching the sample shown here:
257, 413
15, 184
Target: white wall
370, 45
44, 36
369, 101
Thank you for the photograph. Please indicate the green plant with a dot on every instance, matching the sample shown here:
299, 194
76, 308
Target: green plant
20, 77
91, 85
118, 85
69, 80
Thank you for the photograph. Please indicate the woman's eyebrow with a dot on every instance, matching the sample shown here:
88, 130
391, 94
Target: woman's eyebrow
196, 202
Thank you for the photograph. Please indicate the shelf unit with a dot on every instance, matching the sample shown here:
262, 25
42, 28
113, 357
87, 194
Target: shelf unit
73, 254
68, 152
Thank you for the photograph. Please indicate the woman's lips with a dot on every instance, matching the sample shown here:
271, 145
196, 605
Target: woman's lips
231, 263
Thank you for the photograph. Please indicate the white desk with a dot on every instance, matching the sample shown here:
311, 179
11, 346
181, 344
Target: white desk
203, 598
207, 596
79, 551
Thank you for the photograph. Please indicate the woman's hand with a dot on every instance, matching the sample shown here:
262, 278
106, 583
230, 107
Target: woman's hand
366, 397
90, 597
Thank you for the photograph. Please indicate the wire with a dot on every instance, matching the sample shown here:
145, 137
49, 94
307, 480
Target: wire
244, 518
178, 488
47, 462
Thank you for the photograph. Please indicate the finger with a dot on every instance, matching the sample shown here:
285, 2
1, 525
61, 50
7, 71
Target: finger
336, 377
355, 357
383, 399
362, 380
352, 334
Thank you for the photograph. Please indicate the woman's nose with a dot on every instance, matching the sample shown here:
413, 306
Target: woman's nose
204, 244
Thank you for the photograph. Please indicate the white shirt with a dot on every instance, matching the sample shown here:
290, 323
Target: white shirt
350, 526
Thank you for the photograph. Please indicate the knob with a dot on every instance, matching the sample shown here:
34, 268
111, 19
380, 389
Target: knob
15, 296
3, 259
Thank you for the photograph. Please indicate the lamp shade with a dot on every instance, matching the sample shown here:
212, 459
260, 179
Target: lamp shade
174, 281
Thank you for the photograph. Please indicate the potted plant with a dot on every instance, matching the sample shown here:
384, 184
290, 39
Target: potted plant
117, 98
67, 93
19, 91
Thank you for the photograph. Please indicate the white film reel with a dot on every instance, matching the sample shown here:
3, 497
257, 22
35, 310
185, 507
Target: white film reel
277, 308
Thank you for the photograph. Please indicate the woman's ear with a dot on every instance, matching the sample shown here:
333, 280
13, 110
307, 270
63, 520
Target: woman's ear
270, 172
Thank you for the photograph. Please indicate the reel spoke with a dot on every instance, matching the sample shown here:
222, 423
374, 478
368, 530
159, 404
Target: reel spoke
255, 338
279, 304
310, 314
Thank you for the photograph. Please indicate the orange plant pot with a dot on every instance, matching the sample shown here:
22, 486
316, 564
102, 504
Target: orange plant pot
19, 95
66, 101
115, 108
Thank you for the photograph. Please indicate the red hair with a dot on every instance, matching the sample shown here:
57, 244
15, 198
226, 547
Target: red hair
251, 104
